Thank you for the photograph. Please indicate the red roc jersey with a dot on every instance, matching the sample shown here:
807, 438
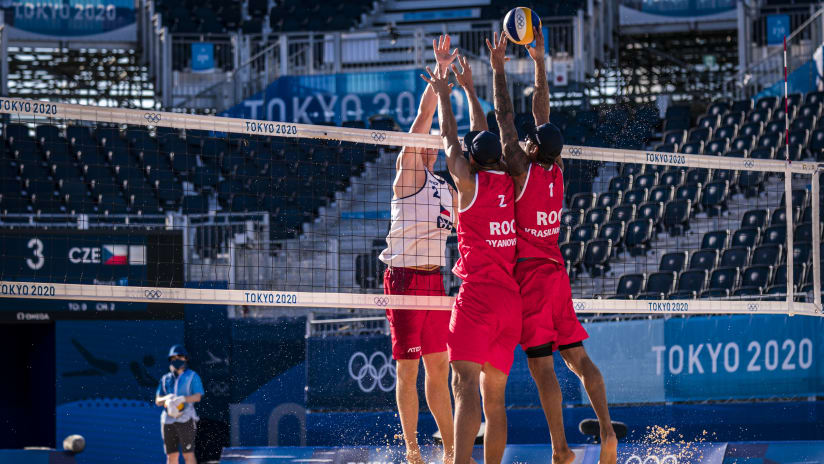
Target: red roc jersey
486, 232
538, 213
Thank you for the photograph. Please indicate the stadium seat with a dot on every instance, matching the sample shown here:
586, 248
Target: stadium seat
597, 216
573, 252
724, 277
676, 216
755, 218
804, 232
779, 216
582, 201
661, 282
771, 140
692, 281
728, 132
673, 178
704, 259
775, 235
767, 103
638, 235
763, 153
717, 147
767, 254
747, 291
717, 239
674, 261
620, 183
697, 175
799, 274
651, 210
803, 123
691, 192
738, 256
635, 197
631, 284
756, 276
744, 105
759, 116
675, 136
750, 182
814, 98
776, 125
809, 110
736, 153
816, 145
563, 234
632, 169
597, 256
692, 148
609, 199
625, 213
718, 108
745, 237
665, 148
710, 121
714, 197
715, 293
645, 181
662, 193
743, 143
800, 198
572, 218
650, 296
613, 231
700, 134
735, 118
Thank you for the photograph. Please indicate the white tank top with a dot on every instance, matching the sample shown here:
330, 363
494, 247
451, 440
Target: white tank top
420, 225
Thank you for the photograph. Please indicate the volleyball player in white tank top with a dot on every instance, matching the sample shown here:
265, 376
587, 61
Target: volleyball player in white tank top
423, 211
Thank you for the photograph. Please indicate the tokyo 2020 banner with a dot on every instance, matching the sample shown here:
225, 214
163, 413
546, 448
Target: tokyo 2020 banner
104, 20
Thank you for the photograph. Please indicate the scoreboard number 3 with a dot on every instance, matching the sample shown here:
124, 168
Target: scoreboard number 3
36, 246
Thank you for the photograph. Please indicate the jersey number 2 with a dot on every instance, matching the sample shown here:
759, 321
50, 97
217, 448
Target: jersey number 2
502, 205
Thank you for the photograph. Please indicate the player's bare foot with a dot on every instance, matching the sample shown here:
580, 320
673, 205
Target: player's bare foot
413, 456
563, 456
609, 448
448, 458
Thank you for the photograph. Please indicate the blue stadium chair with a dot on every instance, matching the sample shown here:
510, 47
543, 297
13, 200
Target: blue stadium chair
645, 181
756, 276
752, 130
653, 211
798, 138
775, 235
582, 201
45, 203
747, 291
692, 148
767, 103
697, 175
584, 232
663, 193
692, 281
779, 216
64, 171
613, 231
802, 252
675, 261
755, 218
715, 293
112, 204
15, 132
169, 193
804, 123
804, 232
662, 282
744, 105
666, 148
632, 169
727, 132
714, 197
42, 186
751, 183
717, 147
609, 199
573, 253
718, 108
814, 98
770, 140
762, 116
678, 137
572, 218
799, 274
625, 213
700, 134
816, 145
737, 256
704, 259
710, 121
691, 192
742, 144
809, 110
620, 183
732, 118
638, 236
672, 178
767, 254
635, 196
14, 203
631, 284
800, 198
597, 216
724, 277
596, 257
775, 126
676, 216
563, 234
650, 296
746, 237
763, 153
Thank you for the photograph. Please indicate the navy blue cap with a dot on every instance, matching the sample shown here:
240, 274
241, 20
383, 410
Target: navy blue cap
548, 138
483, 146
177, 350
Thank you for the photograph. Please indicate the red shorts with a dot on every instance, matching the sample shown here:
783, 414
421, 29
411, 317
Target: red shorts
548, 315
415, 332
485, 325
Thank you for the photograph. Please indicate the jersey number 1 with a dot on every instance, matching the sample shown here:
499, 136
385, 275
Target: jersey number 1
551, 192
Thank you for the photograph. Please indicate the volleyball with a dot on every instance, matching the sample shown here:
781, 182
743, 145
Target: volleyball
518, 24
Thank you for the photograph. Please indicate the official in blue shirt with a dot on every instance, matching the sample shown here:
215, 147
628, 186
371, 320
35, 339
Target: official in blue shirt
177, 393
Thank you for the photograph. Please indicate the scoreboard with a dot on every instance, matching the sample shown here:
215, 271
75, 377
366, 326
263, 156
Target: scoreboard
93, 257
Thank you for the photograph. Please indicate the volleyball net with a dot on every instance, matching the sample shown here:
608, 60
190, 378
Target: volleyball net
120, 205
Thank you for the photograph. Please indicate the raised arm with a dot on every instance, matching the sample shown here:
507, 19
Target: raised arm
477, 118
540, 97
411, 171
455, 161
514, 156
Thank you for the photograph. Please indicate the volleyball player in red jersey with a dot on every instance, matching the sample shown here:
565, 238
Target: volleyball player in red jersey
486, 317
422, 210
549, 320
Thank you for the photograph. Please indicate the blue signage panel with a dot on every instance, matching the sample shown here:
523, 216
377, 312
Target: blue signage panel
683, 7
203, 57
71, 19
345, 97
778, 27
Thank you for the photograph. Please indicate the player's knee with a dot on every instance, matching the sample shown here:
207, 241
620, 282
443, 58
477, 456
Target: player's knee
407, 371
172, 458
437, 369
541, 367
189, 458
464, 383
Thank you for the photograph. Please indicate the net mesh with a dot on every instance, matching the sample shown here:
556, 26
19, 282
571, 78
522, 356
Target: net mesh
126, 205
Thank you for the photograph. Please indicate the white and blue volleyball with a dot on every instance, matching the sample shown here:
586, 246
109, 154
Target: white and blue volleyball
518, 24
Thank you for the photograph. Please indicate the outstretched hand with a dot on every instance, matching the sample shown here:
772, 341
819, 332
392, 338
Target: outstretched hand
438, 80
464, 78
497, 51
537, 51
442, 54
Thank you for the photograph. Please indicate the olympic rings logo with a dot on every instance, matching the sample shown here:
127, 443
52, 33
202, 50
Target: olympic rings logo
152, 117
652, 459
575, 151
749, 163
381, 301
370, 375
378, 137
753, 307
520, 20
579, 305
153, 294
